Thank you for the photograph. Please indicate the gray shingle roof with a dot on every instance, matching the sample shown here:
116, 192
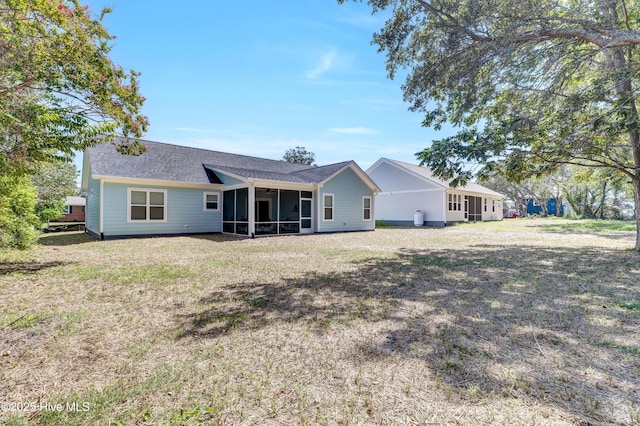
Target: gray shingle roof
319, 174
427, 173
75, 201
258, 174
178, 163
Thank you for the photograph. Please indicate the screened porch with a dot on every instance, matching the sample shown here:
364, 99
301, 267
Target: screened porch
267, 211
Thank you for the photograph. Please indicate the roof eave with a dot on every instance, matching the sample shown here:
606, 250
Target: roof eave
156, 182
359, 172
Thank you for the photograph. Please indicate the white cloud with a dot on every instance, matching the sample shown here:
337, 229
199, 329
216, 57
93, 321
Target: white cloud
327, 61
354, 130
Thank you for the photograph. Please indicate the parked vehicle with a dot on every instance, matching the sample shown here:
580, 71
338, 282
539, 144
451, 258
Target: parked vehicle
512, 214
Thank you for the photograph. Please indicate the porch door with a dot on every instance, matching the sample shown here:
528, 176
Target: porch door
474, 207
306, 212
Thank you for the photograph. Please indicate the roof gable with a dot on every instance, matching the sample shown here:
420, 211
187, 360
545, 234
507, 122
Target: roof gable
427, 175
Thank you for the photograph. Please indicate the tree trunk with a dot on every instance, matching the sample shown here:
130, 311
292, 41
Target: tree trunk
603, 198
558, 206
636, 196
634, 141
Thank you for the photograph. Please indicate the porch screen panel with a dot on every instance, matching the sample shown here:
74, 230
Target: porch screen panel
266, 211
228, 206
289, 212
242, 211
242, 200
289, 206
229, 212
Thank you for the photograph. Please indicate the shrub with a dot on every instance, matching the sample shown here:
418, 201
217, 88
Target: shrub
18, 221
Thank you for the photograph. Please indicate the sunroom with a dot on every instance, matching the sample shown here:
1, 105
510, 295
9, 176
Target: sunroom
260, 211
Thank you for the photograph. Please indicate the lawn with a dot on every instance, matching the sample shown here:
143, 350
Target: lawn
515, 322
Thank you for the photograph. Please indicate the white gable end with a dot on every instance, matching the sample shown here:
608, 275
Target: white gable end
391, 178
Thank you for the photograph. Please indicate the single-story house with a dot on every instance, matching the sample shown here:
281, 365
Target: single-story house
74, 210
407, 188
171, 189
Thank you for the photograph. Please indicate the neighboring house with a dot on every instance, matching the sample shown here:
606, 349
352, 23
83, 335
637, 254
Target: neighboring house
174, 189
74, 210
407, 188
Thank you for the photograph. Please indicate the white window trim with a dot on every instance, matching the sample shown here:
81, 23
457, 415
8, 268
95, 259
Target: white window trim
333, 208
370, 209
456, 205
67, 210
147, 220
204, 201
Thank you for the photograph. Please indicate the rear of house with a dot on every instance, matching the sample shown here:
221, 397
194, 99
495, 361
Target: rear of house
172, 190
74, 210
407, 188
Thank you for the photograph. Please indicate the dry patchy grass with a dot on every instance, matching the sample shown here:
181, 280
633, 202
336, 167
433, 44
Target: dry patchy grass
516, 322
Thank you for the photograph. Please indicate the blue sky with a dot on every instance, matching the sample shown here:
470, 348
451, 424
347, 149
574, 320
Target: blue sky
258, 78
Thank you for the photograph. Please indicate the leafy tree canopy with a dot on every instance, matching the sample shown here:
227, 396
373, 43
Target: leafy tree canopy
531, 85
58, 87
300, 155
54, 182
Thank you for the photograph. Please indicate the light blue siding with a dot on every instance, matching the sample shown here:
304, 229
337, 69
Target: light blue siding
92, 209
185, 212
228, 180
347, 189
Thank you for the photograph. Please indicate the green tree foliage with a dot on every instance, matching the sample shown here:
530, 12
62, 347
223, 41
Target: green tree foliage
18, 222
591, 192
531, 85
58, 87
59, 93
54, 182
300, 155
598, 193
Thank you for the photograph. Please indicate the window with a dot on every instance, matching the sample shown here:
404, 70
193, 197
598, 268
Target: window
455, 202
485, 205
493, 206
146, 205
366, 208
328, 207
67, 210
211, 201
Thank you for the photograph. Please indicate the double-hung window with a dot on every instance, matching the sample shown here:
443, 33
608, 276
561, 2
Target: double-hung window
366, 208
211, 201
327, 204
147, 205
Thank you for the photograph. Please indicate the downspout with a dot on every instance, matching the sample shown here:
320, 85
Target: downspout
101, 207
444, 206
319, 208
